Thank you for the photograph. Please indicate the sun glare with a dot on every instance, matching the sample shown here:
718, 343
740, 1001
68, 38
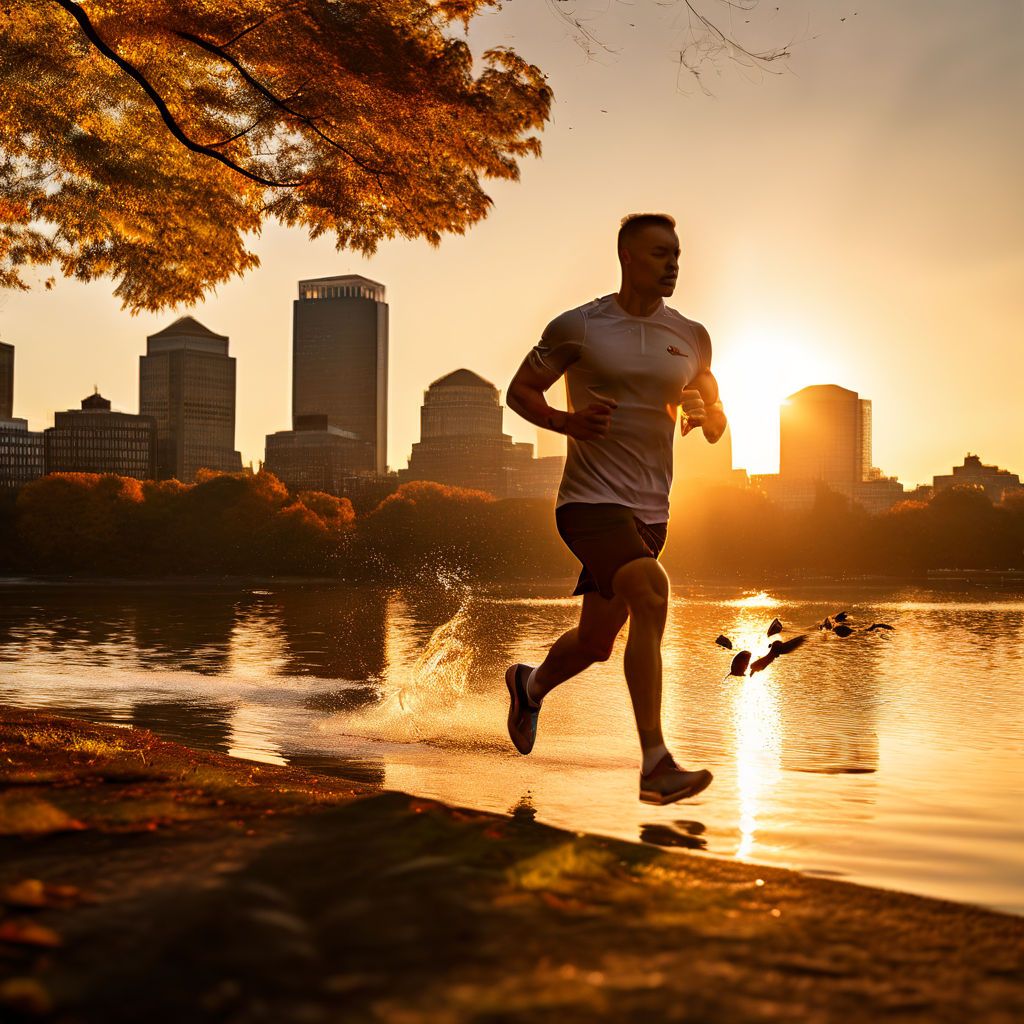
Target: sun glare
757, 368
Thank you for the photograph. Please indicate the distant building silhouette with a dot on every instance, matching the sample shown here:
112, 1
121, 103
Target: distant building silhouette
699, 465
340, 358
318, 457
996, 482
21, 454
825, 442
825, 435
462, 443
187, 384
95, 440
6, 381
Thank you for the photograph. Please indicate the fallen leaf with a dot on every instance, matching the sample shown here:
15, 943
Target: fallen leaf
28, 933
25, 996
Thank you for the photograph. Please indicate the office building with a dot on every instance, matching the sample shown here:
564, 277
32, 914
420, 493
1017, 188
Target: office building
21, 454
6, 381
340, 358
994, 481
825, 444
318, 457
94, 439
825, 436
187, 384
462, 443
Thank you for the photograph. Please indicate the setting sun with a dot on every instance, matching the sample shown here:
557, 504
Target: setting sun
757, 368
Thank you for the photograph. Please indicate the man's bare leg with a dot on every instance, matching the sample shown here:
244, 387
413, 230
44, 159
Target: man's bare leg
643, 585
601, 621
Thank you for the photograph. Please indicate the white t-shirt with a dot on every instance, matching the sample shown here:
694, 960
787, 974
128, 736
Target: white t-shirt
643, 363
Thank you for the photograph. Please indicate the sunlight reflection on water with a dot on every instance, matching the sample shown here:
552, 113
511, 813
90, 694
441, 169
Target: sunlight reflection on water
836, 758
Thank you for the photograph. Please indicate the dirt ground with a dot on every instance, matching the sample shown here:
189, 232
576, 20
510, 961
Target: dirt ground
142, 881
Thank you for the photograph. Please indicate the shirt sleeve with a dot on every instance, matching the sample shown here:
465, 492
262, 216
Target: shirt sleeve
703, 347
559, 347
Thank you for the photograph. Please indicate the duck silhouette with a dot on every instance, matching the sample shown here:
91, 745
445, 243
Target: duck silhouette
740, 664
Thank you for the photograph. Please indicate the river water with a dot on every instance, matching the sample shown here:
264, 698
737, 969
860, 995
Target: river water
891, 758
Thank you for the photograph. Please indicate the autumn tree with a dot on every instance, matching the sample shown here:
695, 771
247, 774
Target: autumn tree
148, 140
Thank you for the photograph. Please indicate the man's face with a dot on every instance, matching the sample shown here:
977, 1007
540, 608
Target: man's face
651, 260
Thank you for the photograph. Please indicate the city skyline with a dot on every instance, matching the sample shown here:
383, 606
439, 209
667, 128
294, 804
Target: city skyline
306, 440
830, 234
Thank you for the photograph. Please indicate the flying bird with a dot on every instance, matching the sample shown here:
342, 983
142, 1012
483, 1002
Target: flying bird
740, 664
775, 627
781, 647
724, 641
763, 662
826, 623
843, 631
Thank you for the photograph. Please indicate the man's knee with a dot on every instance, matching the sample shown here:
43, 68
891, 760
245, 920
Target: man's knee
644, 585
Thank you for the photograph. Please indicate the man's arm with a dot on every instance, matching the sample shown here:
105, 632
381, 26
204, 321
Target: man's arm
560, 347
707, 413
714, 422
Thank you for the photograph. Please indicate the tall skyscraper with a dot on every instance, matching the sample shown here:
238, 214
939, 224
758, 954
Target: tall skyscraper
187, 384
95, 440
340, 358
6, 381
462, 443
825, 436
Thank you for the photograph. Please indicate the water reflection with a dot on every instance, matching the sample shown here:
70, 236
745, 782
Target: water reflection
208, 724
826, 760
756, 710
333, 634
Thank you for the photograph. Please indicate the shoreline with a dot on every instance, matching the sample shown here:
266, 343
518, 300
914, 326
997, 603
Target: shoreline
1008, 581
235, 885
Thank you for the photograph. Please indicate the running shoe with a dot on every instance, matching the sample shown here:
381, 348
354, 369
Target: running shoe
666, 782
522, 719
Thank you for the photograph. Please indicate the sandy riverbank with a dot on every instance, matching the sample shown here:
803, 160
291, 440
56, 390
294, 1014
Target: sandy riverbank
141, 880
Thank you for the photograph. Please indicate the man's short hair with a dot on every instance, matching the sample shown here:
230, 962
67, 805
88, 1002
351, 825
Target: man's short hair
633, 224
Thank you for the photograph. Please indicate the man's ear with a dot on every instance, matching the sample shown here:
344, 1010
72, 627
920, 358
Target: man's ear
625, 256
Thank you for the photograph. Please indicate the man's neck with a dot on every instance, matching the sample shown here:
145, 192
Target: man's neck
637, 303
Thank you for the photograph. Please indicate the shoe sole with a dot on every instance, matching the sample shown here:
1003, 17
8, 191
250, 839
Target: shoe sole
510, 682
660, 799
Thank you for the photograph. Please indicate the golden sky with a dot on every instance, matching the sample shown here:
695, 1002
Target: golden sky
856, 220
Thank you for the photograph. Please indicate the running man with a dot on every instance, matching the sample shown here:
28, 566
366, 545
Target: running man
632, 365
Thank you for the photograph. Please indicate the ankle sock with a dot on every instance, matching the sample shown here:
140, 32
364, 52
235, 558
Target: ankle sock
533, 701
652, 755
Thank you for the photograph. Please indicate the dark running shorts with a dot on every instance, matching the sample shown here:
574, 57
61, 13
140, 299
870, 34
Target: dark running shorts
604, 538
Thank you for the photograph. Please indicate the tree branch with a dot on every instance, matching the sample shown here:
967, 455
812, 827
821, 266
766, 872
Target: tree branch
168, 118
281, 104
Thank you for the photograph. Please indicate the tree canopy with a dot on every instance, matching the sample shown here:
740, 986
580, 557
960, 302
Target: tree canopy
148, 140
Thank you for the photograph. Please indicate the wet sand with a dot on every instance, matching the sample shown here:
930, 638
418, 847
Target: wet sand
141, 880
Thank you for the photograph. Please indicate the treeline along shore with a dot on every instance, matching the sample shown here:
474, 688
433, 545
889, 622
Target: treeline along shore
250, 524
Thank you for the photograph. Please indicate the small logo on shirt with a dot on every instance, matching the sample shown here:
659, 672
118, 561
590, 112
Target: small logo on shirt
674, 351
